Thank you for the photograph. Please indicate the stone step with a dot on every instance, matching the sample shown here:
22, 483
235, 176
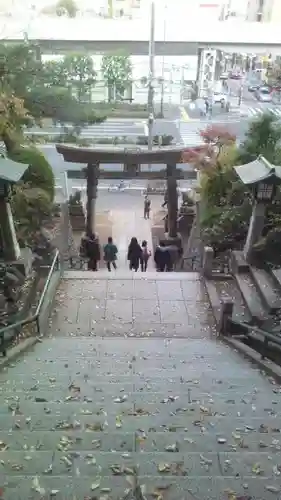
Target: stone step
129, 275
175, 486
123, 441
251, 297
207, 421
218, 290
267, 288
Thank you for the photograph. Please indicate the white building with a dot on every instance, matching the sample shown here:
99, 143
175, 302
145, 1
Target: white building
266, 11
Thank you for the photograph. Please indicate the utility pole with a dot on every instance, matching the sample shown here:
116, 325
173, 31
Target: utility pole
151, 78
163, 67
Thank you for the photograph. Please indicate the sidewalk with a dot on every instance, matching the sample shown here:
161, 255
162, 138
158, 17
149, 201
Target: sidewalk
125, 225
82, 418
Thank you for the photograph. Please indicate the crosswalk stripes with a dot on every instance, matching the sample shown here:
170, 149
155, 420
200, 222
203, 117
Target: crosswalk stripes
111, 128
190, 133
256, 111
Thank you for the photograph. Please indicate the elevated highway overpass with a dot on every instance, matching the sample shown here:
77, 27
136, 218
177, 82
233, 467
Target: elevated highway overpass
181, 38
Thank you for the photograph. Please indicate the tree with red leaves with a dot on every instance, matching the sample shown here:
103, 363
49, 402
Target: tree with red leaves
214, 139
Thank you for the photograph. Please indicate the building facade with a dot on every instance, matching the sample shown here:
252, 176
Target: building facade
264, 11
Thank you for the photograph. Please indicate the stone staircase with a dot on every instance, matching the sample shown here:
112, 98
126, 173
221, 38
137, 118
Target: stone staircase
256, 294
114, 418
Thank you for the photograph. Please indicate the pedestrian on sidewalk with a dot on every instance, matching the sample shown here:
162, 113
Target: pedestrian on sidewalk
147, 207
146, 254
165, 203
134, 254
162, 258
110, 254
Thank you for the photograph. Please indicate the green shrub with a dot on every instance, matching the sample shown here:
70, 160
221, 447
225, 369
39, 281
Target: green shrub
39, 173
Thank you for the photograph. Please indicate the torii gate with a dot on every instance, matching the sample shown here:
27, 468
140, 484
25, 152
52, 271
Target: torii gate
132, 160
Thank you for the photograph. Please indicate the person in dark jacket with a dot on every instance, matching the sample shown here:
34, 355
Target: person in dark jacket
110, 254
162, 258
92, 247
134, 254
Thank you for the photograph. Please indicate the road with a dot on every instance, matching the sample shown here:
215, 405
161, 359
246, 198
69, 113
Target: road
109, 128
190, 131
250, 107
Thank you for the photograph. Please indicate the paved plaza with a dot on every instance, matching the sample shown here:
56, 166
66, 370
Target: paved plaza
137, 402
128, 304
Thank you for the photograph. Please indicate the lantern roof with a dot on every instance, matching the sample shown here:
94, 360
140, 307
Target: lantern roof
11, 171
259, 170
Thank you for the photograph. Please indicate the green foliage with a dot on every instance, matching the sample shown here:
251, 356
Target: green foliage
262, 138
66, 7
227, 227
20, 67
80, 73
117, 71
54, 74
39, 175
30, 207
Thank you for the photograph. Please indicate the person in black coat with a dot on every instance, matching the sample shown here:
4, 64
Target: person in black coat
162, 258
134, 254
93, 252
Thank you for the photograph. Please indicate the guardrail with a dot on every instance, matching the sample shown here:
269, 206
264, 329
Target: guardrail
246, 329
14, 329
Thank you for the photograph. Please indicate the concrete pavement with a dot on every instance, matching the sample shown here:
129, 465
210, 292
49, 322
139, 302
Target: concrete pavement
127, 224
166, 413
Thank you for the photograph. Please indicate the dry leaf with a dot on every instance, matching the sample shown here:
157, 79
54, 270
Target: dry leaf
163, 467
256, 469
95, 485
118, 422
36, 486
272, 489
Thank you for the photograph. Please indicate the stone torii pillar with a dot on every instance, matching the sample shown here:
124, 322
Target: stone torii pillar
92, 175
172, 195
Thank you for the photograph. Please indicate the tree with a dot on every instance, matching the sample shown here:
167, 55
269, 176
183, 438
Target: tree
80, 73
20, 67
13, 115
262, 138
39, 174
49, 102
30, 207
66, 8
225, 208
117, 72
54, 74
216, 140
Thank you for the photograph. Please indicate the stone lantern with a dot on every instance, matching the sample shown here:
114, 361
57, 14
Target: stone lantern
10, 173
262, 178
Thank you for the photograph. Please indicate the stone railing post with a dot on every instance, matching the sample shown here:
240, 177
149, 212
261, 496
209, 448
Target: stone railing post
208, 257
225, 314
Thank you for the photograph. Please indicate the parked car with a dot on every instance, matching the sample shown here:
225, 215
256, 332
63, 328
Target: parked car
219, 97
263, 94
235, 75
253, 86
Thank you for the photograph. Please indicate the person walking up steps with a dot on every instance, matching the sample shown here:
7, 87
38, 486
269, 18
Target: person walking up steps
110, 254
146, 254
